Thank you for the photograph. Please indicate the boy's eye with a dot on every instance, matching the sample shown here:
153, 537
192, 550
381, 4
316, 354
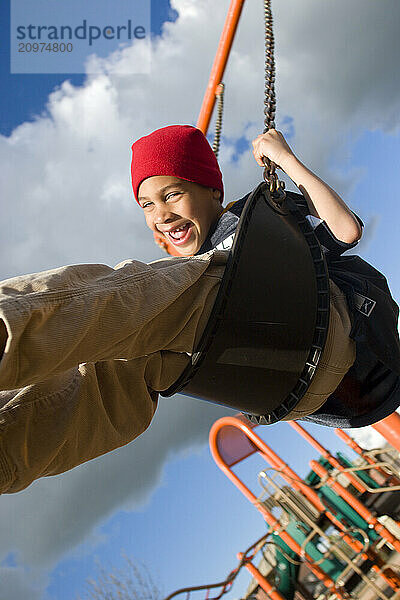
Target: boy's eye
171, 195
145, 204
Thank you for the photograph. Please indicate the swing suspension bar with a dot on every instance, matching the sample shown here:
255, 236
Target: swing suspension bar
220, 62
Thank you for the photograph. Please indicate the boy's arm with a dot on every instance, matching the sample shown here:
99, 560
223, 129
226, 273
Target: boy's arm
322, 200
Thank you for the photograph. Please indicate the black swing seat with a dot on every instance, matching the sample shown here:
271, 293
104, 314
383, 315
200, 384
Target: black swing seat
265, 336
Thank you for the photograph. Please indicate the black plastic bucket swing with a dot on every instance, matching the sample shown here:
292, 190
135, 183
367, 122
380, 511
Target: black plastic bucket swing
268, 327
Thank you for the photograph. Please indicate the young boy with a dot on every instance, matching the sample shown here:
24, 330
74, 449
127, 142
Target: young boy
181, 201
85, 348
357, 381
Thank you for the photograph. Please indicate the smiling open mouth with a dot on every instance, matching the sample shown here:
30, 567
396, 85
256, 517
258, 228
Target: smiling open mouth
180, 235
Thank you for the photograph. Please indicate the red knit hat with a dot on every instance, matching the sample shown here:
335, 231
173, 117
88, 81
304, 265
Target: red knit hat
179, 151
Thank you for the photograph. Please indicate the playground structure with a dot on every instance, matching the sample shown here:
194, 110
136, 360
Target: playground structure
333, 534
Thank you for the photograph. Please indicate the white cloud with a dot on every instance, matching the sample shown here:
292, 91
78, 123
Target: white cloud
55, 514
368, 437
20, 583
67, 196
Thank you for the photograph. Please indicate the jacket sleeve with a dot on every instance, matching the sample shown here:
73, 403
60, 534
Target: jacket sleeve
330, 244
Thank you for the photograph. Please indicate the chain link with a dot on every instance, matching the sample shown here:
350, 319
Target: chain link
269, 87
270, 175
218, 123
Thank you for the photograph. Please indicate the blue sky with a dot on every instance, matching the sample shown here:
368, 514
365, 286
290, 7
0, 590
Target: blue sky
162, 500
26, 94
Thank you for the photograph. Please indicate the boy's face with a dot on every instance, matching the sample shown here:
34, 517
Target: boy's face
180, 210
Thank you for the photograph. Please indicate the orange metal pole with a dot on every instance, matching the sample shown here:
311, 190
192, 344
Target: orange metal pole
326, 454
220, 61
389, 428
286, 472
354, 503
266, 586
268, 454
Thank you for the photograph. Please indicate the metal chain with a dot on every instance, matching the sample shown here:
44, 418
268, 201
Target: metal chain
269, 87
218, 123
269, 96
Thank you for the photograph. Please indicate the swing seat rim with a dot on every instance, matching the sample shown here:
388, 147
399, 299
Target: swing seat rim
216, 318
